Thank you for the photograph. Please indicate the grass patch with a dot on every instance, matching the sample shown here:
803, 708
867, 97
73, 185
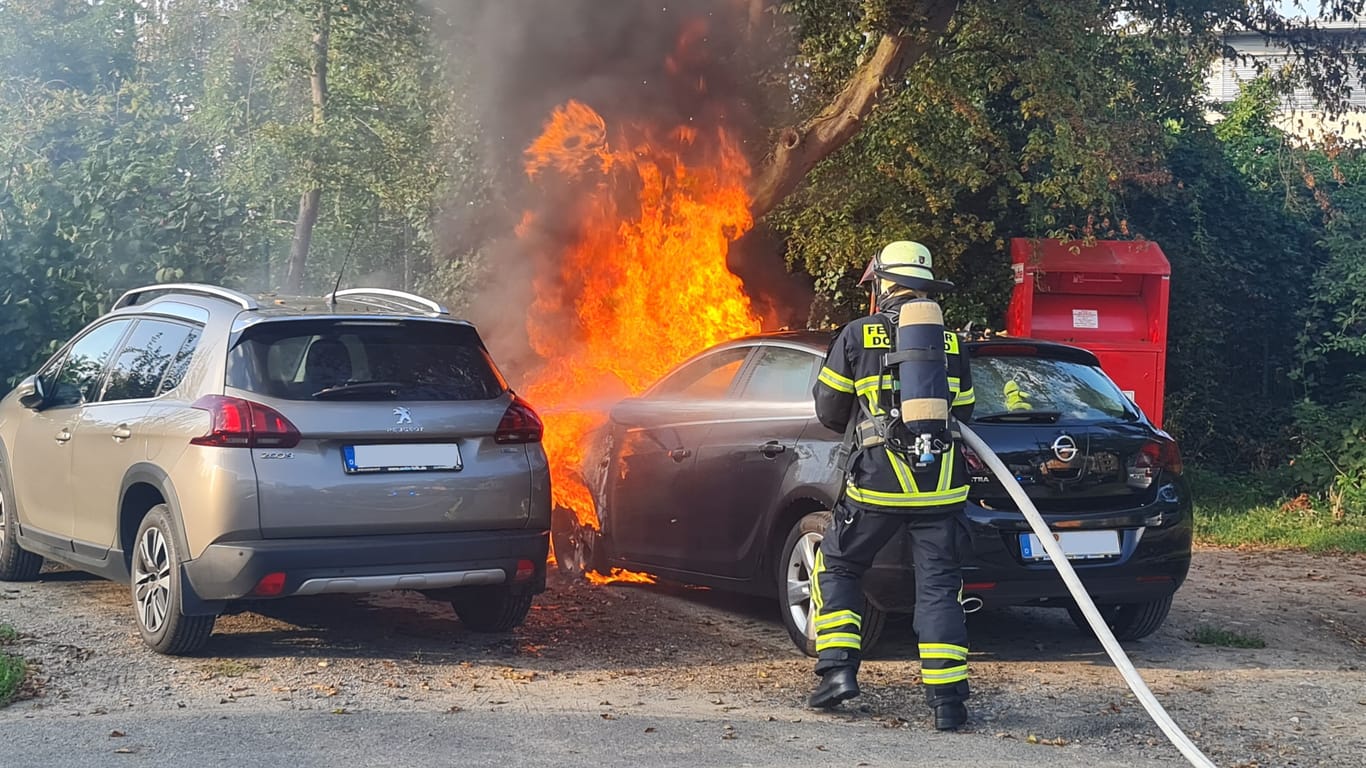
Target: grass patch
1238, 512
13, 670
1225, 638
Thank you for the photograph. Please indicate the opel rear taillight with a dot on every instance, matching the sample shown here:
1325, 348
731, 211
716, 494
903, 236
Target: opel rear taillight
1150, 460
520, 424
974, 462
238, 423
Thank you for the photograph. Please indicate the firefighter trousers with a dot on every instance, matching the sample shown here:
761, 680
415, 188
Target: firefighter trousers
854, 538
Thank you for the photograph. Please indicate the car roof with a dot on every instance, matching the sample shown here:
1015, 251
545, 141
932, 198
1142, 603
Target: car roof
197, 301
818, 341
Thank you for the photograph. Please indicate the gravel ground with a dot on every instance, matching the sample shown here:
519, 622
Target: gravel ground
658, 670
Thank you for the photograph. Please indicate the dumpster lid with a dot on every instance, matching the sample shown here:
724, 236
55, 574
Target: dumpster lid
1141, 257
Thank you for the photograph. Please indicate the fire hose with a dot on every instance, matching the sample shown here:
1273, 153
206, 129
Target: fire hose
1088, 607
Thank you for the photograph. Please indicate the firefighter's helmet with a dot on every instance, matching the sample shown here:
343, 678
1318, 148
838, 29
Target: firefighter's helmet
908, 265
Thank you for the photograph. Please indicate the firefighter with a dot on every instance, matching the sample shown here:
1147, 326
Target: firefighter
889, 488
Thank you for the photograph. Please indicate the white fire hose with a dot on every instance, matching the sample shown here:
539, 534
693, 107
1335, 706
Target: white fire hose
1088, 608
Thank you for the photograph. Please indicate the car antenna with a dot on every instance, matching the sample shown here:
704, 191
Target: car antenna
332, 297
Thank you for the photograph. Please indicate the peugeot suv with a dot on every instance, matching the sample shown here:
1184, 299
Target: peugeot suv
208, 447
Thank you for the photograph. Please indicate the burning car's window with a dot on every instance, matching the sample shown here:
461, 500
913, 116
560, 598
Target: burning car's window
706, 379
781, 375
370, 360
1011, 384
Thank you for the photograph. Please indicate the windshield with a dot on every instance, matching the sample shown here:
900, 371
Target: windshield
1022, 385
364, 360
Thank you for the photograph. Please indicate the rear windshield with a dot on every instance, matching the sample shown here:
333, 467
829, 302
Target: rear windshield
1021, 385
363, 360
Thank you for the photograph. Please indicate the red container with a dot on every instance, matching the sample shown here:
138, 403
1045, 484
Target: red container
1109, 297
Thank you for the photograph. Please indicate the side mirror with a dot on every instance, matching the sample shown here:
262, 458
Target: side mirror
30, 392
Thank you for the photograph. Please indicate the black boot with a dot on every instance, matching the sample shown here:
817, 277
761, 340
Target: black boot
838, 684
950, 717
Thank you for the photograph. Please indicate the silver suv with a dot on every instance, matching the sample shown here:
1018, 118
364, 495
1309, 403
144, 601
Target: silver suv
208, 447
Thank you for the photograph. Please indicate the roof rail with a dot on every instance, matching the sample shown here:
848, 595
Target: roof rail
240, 299
385, 298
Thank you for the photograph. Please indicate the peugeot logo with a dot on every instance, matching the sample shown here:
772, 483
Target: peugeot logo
406, 417
1065, 448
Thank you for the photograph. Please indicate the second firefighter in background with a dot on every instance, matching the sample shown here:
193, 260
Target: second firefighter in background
890, 488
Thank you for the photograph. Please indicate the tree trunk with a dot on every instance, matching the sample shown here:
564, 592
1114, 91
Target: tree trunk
308, 202
801, 147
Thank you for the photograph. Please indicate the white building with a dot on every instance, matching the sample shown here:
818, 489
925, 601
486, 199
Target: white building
1300, 115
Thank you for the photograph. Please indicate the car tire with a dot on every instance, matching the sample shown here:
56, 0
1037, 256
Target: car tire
16, 563
1128, 621
795, 561
491, 609
577, 548
156, 587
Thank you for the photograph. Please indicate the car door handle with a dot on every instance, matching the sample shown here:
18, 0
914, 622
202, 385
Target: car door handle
772, 449
679, 454
63, 436
122, 432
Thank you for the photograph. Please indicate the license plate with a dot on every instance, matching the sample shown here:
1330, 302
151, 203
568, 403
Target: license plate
416, 457
1077, 545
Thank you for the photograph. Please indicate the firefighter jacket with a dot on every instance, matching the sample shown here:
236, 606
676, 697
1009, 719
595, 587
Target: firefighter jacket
879, 478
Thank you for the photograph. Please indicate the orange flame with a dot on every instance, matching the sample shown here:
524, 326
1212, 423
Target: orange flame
641, 281
619, 576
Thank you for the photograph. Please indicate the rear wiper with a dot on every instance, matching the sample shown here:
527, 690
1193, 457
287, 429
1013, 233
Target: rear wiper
1023, 417
358, 387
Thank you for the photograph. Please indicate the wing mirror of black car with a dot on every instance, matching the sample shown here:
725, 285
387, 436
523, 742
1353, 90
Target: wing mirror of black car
30, 393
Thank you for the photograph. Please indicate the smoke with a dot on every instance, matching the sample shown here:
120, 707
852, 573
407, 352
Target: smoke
661, 62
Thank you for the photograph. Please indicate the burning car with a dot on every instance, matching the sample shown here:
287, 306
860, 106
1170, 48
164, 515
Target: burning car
720, 475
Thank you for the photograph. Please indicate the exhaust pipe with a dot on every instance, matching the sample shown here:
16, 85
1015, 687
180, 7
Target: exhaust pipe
1121, 661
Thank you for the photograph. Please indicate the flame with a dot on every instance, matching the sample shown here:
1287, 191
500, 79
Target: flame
640, 236
619, 576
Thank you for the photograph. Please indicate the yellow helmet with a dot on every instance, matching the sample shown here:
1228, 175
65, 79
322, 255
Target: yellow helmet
907, 264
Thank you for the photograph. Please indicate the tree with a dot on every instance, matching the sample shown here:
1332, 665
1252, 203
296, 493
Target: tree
362, 133
104, 187
859, 53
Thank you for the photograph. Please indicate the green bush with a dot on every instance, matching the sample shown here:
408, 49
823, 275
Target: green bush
1332, 460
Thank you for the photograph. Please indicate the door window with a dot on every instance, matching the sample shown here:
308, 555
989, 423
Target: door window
144, 358
706, 379
175, 373
78, 380
781, 375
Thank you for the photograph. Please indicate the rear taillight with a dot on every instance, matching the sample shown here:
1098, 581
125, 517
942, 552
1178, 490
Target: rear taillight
238, 423
974, 462
1151, 459
520, 424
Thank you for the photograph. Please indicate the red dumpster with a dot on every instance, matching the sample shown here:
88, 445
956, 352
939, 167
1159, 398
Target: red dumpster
1109, 297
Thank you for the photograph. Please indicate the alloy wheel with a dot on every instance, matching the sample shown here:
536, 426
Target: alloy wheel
801, 563
2, 518
152, 580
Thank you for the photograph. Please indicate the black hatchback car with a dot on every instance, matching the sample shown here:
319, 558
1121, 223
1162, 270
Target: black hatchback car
720, 475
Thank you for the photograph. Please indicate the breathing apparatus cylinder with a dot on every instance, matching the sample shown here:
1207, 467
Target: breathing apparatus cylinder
920, 367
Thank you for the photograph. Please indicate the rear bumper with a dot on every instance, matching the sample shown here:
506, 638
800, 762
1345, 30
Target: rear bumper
230, 571
1155, 555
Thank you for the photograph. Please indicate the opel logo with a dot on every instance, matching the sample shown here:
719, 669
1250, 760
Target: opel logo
1065, 448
